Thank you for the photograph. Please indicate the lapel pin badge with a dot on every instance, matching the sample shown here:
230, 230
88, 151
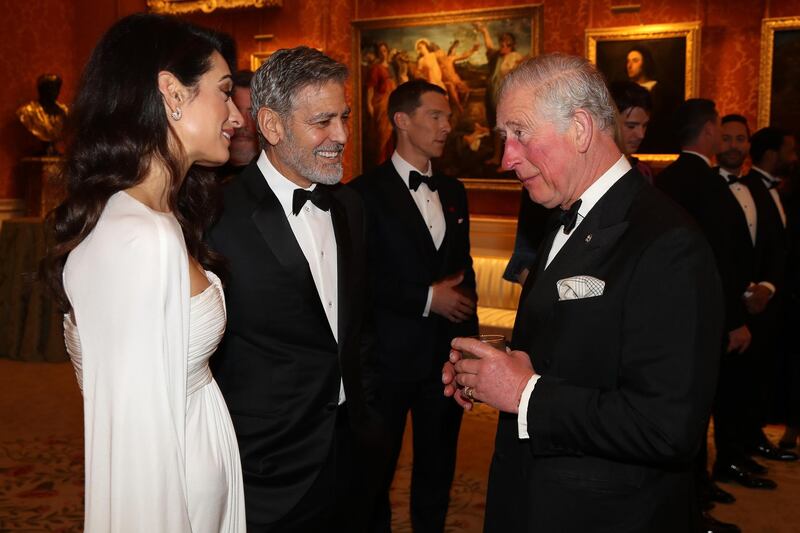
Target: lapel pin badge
588, 238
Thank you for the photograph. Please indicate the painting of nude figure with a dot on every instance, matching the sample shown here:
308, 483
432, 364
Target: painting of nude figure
467, 54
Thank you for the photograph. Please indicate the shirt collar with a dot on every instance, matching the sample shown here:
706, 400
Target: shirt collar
701, 156
404, 168
282, 186
766, 175
601, 186
726, 173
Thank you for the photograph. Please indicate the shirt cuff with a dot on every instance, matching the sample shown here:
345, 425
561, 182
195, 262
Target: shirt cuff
522, 415
427, 310
768, 285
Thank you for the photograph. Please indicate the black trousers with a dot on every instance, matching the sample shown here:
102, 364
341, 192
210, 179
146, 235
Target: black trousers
732, 408
331, 503
436, 422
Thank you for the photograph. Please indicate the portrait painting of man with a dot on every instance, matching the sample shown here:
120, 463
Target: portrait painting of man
659, 59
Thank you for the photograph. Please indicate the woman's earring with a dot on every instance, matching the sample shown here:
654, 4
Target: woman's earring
177, 114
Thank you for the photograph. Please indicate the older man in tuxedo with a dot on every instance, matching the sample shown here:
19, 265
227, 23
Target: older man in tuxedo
605, 395
292, 366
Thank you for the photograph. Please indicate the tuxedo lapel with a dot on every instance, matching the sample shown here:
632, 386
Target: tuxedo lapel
271, 222
344, 251
591, 241
399, 198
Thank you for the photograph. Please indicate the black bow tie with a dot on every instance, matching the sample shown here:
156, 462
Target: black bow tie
569, 217
415, 179
732, 179
320, 197
772, 184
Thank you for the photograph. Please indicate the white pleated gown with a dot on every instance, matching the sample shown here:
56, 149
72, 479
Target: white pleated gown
161, 452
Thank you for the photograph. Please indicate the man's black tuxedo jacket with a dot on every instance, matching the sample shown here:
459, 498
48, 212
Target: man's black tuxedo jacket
279, 364
707, 197
771, 233
627, 378
404, 263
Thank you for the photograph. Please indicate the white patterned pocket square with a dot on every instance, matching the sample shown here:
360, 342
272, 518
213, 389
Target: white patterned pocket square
578, 287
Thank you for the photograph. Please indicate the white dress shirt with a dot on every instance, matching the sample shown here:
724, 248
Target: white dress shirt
745, 199
588, 199
429, 205
771, 181
313, 229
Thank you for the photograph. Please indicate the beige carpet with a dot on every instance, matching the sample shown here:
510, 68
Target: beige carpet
41, 471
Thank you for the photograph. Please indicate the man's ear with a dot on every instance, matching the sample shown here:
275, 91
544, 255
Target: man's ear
173, 91
270, 125
583, 124
401, 120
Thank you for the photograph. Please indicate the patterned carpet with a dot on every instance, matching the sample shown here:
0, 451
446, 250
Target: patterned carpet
41, 464
41, 485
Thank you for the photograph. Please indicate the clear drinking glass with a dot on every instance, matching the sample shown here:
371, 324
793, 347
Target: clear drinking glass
495, 341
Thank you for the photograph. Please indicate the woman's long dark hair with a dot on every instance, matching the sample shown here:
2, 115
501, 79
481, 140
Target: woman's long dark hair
119, 126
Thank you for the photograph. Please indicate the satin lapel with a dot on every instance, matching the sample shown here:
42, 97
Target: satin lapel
404, 207
593, 238
344, 251
271, 222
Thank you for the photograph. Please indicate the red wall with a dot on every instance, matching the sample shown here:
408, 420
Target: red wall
55, 35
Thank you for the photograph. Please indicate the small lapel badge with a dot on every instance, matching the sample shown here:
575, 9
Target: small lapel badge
460, 220
588, 238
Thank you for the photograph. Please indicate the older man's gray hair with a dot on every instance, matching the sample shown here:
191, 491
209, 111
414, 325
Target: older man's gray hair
285, 73
561, 84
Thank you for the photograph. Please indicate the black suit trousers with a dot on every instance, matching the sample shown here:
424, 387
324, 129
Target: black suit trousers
329, 505
436, 423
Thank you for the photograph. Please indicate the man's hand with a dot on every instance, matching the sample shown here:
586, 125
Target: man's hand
756, 298
449, 380
496, 377
450, 302
739, 339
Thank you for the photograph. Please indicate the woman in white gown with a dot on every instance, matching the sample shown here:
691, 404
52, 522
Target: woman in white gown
128, 264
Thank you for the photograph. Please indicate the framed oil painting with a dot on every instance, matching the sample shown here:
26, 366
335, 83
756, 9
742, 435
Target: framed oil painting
467, 53
778, 88
663, 58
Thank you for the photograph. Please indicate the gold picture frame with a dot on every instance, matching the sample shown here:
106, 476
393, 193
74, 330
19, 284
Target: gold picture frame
181, 7
257, 58
459, 31
769, 27
677, 45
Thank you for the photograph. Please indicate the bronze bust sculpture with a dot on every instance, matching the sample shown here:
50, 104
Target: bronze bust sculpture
45, 118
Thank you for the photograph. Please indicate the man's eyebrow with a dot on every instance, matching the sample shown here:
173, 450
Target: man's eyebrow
325, 115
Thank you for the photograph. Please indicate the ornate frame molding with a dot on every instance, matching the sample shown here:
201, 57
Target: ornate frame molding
180, 7
768, 28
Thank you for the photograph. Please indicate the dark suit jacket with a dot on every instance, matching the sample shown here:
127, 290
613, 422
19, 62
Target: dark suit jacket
771, 235
279, 364
404, 263
627, 377
707, 197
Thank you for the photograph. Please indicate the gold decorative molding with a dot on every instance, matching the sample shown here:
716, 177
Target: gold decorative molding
689, 30
768, 28
662, 159
180, 7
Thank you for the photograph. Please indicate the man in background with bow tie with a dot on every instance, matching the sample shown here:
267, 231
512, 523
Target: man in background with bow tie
423, 289
293, 365
605, 397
